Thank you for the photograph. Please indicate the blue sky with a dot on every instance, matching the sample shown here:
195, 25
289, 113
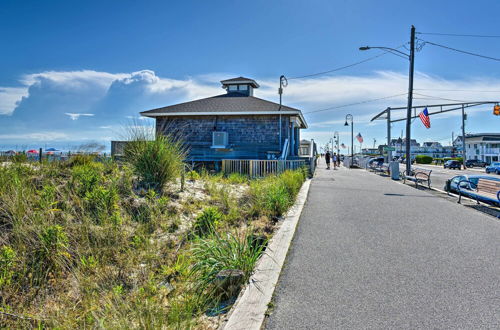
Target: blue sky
74, 72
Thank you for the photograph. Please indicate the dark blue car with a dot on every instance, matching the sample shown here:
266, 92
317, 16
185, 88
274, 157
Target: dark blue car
493, 168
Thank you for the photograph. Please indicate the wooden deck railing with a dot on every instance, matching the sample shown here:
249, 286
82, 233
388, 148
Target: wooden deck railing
259, 168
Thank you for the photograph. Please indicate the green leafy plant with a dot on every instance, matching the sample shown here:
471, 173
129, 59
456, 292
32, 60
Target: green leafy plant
7, 259
207, 221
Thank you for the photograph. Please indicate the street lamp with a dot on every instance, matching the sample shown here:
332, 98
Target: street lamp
349, 117
411, 58
337, 139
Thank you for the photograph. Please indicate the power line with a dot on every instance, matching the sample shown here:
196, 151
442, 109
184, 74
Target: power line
459, 35
454, 90
440, 98
356, 103
460, 51
345, 66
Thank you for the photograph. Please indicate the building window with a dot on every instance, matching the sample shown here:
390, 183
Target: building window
243, 87
219, 139
475, 146
233, 88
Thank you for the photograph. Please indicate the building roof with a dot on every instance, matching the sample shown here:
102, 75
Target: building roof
483, 136
225, 104
240, 80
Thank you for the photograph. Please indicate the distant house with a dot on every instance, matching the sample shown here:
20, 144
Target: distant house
482, 146
234, 125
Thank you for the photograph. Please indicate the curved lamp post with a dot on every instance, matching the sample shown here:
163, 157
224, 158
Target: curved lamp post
349, 117
411, 58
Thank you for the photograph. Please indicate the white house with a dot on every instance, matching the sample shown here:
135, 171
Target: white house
483, 146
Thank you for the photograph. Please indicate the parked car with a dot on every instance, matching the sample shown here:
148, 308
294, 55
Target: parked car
467, 187
475, 163
493, 168
452, 164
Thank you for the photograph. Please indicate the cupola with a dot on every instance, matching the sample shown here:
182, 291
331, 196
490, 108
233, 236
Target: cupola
240, 85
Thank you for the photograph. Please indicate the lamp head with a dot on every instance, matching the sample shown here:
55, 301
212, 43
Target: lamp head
364, 48
346, 123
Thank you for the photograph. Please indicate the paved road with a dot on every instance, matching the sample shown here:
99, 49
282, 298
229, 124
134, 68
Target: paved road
440, 175
371, 253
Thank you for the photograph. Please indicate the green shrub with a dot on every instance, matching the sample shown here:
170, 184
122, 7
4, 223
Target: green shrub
20, 158
193, 175
81, 159
101, 202
86, 177
237, 178
207, 221
423, 159
157, 161
7, 256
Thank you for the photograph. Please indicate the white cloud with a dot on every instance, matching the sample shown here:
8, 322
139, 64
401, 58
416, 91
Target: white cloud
9, 97
75, 116
37, 136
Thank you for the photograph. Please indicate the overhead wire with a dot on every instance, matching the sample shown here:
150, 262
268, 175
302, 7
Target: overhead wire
356, 103
459, 35
345, 66
460, 51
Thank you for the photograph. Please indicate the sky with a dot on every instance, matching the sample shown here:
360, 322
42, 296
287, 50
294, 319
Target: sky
79, 72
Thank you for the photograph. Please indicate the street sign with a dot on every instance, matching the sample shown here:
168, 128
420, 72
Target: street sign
389, 149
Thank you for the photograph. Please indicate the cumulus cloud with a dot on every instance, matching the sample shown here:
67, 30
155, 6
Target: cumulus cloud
56, 101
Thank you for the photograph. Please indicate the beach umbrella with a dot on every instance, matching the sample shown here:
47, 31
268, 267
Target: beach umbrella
51, 149
49, 153
10, 152
32, 151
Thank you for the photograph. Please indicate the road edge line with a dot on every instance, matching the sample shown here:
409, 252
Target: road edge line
249, 310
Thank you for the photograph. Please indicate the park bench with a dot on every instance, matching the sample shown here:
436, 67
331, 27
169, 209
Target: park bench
377, 167
486, 189
418, 175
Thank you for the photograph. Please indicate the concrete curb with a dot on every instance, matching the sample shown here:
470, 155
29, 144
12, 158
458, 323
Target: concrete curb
249, 310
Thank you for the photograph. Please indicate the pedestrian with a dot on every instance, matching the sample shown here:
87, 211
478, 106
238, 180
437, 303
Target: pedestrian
334, 160
327, 159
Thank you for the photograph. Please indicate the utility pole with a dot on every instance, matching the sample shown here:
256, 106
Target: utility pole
389, 152
463, 135
410, 100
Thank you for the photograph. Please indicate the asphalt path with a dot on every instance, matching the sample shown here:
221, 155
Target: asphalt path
440, 175
370, 253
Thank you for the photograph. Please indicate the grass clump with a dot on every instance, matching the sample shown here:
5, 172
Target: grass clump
273, 195
207, 221
155, 161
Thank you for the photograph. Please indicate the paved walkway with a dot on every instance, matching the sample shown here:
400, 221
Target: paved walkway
371, 253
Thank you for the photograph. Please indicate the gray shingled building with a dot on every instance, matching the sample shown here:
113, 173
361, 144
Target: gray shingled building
234, 125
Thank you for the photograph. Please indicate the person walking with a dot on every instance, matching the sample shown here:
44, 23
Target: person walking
334, 160
327, 159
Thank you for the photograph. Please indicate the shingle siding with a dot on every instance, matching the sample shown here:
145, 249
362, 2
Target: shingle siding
248, 136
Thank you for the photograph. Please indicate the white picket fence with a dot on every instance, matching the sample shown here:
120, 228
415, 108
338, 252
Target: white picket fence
259, 168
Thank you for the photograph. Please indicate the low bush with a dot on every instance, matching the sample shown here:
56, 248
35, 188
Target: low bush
423, 159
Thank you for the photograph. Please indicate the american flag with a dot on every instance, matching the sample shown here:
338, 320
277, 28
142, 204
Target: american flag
424, 117
343, 146
359, 137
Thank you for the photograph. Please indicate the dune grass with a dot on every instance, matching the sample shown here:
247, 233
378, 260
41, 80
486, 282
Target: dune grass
82, 247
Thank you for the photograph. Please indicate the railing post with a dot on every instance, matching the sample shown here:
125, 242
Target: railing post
250, 168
